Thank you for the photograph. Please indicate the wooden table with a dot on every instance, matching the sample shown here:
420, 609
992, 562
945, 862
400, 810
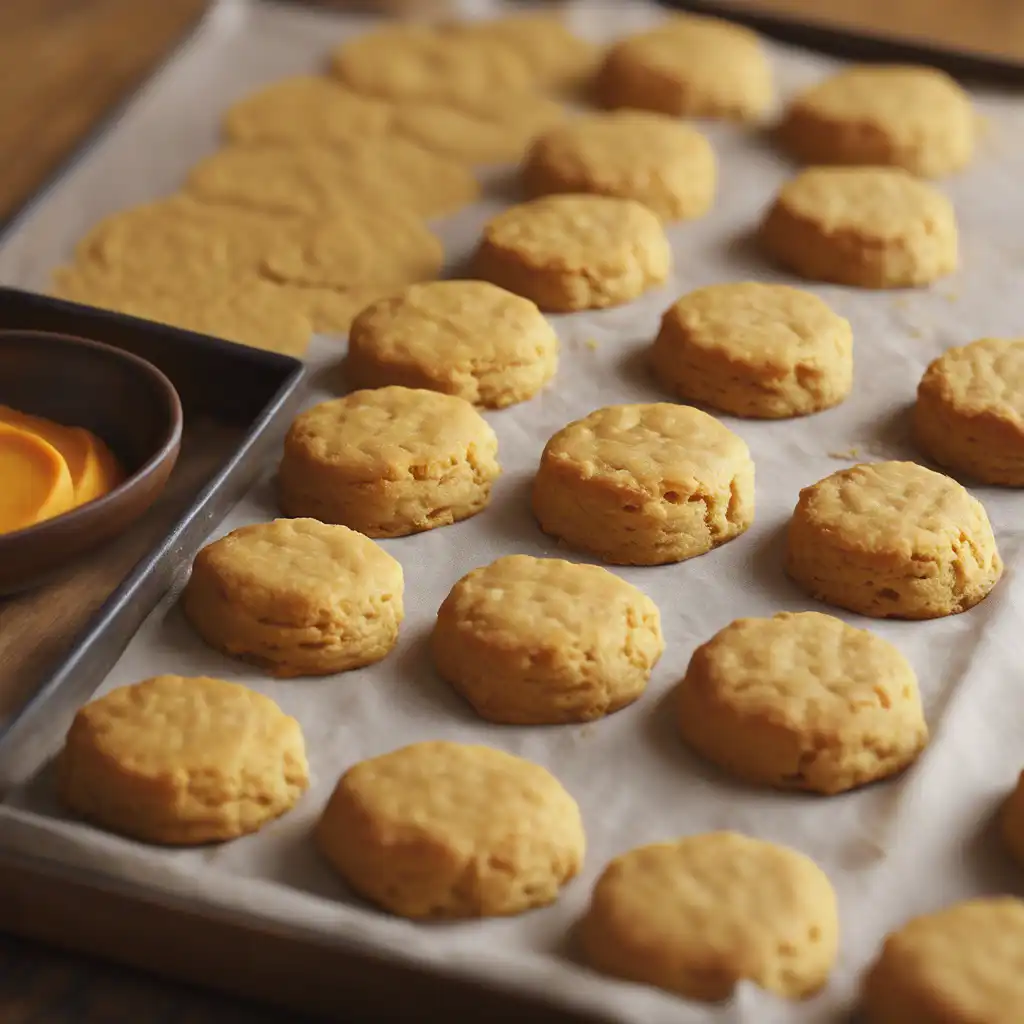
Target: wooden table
63, 63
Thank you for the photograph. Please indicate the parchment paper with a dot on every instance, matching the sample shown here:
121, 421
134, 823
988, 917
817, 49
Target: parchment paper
892, 850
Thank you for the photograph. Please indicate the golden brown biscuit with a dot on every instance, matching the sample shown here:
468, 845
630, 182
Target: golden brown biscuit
377, 173
305, 109
960, 965
689, 66
423, 62
465, 338
916, 118
892, 540
574, 252
633, 154
182, 761
969, 414
296, 597
870, 227
1012, 822
388, 462
447, 830
751, 349
645, 484
802, 701
699, 915
534, 641
486, 130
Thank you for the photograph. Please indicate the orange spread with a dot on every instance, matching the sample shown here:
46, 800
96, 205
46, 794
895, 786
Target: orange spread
47, 468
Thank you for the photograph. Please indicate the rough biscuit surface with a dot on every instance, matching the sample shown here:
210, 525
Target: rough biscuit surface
969, 415
870, 227
486, 130
892, 540
465, 338
701, 914
802, 701
960, 965
305, 109
449, 830
297, 597
311, 180
388, 462
422, 62
534, 641
1013, 822
633, 154
645, 484
182, 761
690, 66
758, 350
572, 252
916, 118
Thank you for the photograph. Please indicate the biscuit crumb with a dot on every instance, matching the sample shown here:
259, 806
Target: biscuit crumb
850, 455
591, 344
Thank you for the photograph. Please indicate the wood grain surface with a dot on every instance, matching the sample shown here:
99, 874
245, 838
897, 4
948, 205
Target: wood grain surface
63, 64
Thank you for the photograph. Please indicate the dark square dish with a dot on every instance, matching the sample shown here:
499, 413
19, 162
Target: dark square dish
57, 643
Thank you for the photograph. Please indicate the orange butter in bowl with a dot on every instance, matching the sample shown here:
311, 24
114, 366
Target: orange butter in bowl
47, 468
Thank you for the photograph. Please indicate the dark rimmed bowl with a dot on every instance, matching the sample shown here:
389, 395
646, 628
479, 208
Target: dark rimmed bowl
121, 398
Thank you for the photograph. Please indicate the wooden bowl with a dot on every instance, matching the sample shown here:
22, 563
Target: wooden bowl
121, 398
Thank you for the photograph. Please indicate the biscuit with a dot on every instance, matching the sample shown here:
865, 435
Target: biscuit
959, 965
247, 311
305, 109
757, 350
645, 484
465, 338
802, 701
969, 415
870, 227
1012, 822
558, 59
536, 641
448, 830
569, 253
892, 540
689, 66
296, 597
916, 118
423, 62
633, 154
182, 761
487, 130
699, 915
375, 173
388, 462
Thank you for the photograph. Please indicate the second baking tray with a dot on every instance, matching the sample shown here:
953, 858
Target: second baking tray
59, 641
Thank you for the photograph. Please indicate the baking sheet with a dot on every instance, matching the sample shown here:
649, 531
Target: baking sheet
892, 850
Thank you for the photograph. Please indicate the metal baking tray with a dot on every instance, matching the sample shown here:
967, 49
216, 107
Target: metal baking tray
228, 431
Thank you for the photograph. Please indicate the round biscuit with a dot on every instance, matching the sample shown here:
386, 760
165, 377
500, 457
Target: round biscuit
645, 484
535, 641
450, 830
297, 597
892, 540
802, 701
388, 462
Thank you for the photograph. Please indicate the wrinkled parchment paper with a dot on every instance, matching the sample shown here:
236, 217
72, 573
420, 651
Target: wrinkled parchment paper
893, 850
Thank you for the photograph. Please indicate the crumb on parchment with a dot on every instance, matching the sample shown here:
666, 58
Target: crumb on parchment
850, 455
591, 344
